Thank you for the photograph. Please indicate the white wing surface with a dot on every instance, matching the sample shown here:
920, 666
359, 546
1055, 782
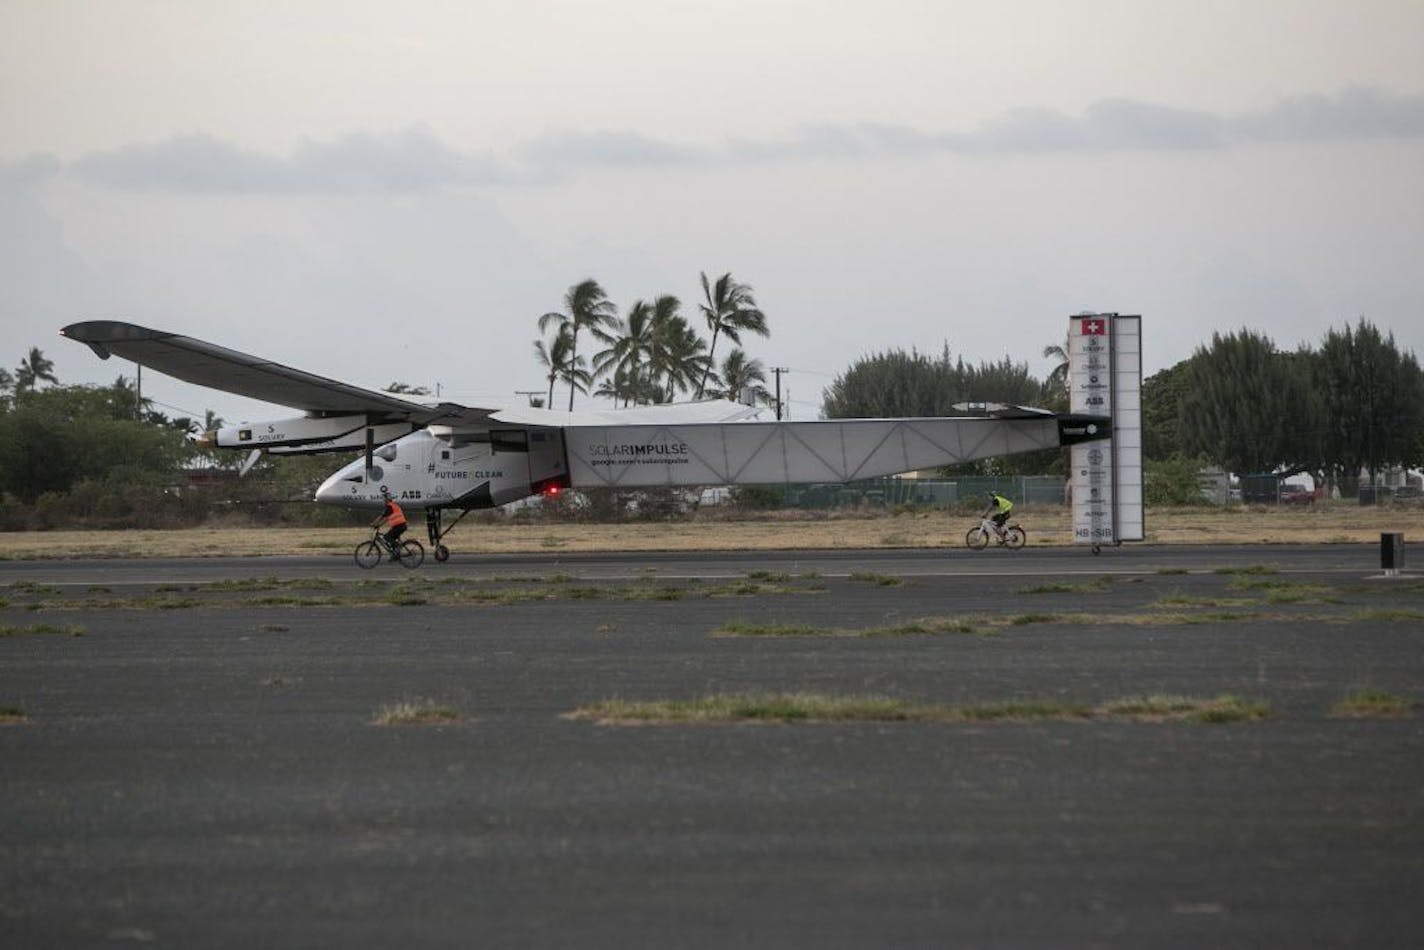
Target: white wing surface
217, 367
773, 453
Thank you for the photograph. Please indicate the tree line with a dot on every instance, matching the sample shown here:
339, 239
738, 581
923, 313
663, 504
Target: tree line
1352, 405
102, 456
653, 353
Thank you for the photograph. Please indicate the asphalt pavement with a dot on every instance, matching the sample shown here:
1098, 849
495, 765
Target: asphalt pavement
196, 764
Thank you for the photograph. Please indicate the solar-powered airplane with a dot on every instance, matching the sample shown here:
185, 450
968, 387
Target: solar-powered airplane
443, 456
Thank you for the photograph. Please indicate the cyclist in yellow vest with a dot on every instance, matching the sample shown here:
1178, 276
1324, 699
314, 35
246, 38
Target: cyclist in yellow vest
1004, 506
393, 517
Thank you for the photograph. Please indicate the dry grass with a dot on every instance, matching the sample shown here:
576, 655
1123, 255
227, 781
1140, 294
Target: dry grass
1340, 523
1371, 704
818, 707
415, 713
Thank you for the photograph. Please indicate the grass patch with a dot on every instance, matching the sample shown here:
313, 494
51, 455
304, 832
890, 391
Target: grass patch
1173, 570
737, 628
43, 630
289, 600
269, 582
405, 598
880, 580
1290, 592
750, 588
272, 628
928, 626
500, 596
1389, 614
1218, 710
1021, 620
1218, 616
11, 715
1179, 599
1371, 704
757, 707
31, 587
776, 576
415, 713
1248, 569
1087, 587
819, 707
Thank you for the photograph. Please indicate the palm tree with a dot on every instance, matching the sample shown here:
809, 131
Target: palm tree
1057, 380
683, 357
556, 357
34, 369
587, 306
729, 309
741, 375
627, 354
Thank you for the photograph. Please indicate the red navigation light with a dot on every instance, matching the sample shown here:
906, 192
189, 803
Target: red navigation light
552, 490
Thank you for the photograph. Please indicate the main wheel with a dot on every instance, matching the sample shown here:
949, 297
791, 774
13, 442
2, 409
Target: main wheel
442, 553
1015, 537
368, 555
412, 555
977, 539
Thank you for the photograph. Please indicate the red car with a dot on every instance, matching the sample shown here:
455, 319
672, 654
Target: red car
1296, 495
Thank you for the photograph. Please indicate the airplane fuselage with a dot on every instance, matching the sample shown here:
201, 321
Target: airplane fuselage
439, 468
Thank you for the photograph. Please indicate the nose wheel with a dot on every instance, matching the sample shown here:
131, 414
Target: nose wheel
437, 532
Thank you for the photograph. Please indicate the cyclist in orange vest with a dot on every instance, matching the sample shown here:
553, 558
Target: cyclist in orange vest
393, 517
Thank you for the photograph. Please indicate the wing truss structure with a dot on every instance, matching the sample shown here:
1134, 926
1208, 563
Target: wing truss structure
771, 453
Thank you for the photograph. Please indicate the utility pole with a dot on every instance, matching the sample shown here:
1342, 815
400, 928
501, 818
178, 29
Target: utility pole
778, 370
138, 389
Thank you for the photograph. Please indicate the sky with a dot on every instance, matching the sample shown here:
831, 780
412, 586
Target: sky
379, 192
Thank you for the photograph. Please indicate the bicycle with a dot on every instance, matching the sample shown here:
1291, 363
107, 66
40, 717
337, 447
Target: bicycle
1012, 537
410, 553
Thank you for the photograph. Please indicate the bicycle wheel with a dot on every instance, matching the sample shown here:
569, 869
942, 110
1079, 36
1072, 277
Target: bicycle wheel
368, 554
977, 539
412, 555
1015, 537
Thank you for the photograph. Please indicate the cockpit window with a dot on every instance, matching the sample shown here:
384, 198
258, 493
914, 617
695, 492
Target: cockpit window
354, 478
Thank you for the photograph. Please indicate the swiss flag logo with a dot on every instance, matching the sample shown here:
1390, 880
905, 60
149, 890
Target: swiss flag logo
1093, 326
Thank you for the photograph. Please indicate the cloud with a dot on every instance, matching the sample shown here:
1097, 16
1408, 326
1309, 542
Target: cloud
1357, 113
416, 160
413, 160
613, 149
1110, 124
29, 170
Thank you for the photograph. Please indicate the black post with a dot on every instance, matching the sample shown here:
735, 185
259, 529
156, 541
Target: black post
1392, 552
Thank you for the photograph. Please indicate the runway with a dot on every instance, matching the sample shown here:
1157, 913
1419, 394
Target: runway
947, 562
199, 767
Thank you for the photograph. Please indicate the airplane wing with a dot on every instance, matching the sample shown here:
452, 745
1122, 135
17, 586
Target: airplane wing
832, 450
217, 367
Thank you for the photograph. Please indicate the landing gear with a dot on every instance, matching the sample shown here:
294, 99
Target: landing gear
437, 533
